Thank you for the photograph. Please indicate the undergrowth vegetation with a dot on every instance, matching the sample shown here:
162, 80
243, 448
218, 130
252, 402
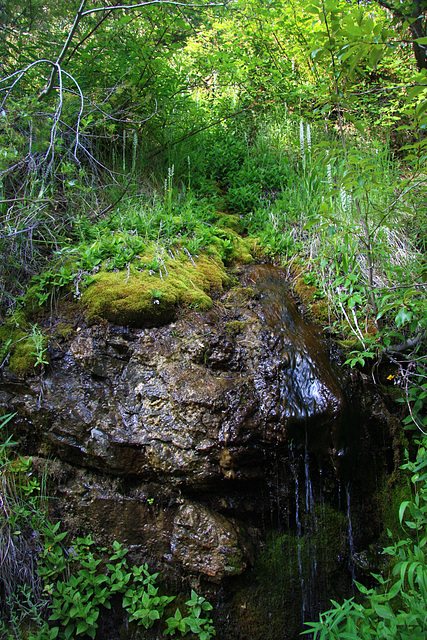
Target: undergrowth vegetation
343, 211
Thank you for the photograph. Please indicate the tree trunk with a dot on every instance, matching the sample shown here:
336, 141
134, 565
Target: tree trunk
417, 19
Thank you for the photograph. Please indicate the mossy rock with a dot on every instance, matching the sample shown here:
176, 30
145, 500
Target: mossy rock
236, 326
283, 566
390, 500
351, 344
320, 311
230, 247
16, 343
32, 301
138, 299
64, 331
231, 221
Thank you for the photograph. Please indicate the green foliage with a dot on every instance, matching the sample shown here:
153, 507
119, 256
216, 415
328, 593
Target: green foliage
79, 587
21, 519
5, 445
68, 583
40, 350
24, 349
197, 621
396, 608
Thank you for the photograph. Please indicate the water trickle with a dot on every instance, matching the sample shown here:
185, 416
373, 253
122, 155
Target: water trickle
295, 473
295, 374
296, 377
310, 537
350, 532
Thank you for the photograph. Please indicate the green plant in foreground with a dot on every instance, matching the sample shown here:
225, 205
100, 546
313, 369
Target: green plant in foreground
6, 444
42, 579
40, 351
197, 621
397, 608
21, 518
79, 588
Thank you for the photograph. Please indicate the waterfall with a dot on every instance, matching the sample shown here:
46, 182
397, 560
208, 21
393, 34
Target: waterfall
298, 524
310, 537
350, 532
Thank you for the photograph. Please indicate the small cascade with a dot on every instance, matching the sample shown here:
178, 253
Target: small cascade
350, 532
307, 532
227, 449
295, 470
311, 531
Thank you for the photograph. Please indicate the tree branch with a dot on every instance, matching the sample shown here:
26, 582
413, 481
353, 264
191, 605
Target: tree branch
81, 13
153, 2
107, 15
392, 8
48, 89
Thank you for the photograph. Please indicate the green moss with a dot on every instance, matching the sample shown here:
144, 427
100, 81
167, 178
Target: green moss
231, 221
352, 344
235, 326
23, 357
32, 301
230, 247
389, 503
140, 299
9, 335
64, 330
289, 570
17, 345
320, 311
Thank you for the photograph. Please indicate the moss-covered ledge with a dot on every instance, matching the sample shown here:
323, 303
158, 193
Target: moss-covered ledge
140, 297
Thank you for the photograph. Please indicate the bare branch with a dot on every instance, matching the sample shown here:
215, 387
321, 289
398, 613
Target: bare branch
411, 343
81, 13
88, 35
20, 73
47, 90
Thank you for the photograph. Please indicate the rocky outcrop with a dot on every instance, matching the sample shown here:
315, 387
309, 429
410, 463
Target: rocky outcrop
195, 409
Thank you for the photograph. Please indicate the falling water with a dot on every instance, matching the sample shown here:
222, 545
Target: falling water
310, 537
298, 524
350, 533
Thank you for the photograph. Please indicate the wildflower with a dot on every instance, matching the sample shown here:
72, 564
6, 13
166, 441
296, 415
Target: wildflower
390, 377
309, 138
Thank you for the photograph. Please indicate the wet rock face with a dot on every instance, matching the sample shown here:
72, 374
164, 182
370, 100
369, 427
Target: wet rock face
216, 552
194, 405
165, 403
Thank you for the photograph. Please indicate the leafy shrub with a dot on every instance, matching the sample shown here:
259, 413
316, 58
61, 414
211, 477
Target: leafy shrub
80, 583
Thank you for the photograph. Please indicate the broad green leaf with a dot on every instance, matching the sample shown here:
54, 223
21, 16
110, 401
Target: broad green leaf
383, 611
